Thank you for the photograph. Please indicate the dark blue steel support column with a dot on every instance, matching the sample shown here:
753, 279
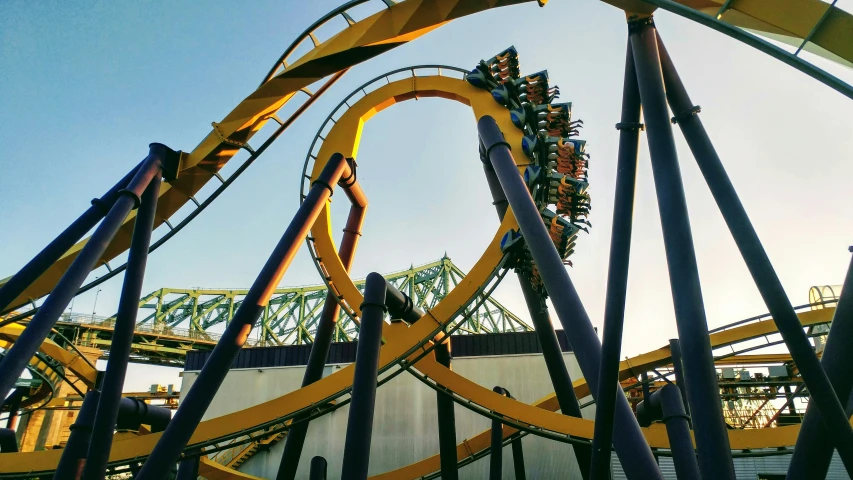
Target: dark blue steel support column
496, 449
517, 452
678, 368
712, 440
617, 276
644, 385
813, 451
634, 453
31, 338
8, 441
446, 420
295, 439
188, 469
14, 403
133, 412
518, 459
678, 430
108, 405
318, 469
538, 309
758, 263
64, 241
74, 454
360, 421
666, 405
212, 374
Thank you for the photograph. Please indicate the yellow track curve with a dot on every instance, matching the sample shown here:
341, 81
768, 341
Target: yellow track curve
400, 339
363, 40
84, 371
395, 26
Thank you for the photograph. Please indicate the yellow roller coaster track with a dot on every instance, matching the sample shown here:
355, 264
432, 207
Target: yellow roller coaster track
61, 357
410, 346
406, 345
405, 21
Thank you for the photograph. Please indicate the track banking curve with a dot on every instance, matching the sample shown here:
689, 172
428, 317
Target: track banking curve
409, 347
405, 346
405, 21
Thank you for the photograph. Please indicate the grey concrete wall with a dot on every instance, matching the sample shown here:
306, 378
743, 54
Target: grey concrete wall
405, 424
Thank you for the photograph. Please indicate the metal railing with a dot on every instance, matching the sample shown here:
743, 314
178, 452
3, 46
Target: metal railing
95, 321
767, 316
316, 144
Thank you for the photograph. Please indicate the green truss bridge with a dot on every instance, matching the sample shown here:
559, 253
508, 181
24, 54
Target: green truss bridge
173, 321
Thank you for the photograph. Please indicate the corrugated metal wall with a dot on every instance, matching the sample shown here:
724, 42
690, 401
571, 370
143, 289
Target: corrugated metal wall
746, 468
280, 356
410, 429
516, 343
405, 426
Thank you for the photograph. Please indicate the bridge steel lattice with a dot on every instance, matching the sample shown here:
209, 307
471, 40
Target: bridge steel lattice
173, 321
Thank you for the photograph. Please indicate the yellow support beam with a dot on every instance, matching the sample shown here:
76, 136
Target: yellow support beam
366, 39
401, 338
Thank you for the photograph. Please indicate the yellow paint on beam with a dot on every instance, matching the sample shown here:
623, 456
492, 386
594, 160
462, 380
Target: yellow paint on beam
384, 30
387, 29
211, 470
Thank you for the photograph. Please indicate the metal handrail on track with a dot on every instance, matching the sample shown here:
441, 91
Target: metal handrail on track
541, 431
767, 316
317, 142
200, 206
649, 1
343, 11
525, 429
671, 6
754, 41
278, 425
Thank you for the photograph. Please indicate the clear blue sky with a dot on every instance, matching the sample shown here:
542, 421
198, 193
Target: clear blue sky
85, 87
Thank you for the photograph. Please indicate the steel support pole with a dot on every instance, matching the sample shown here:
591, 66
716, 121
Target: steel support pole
517, 452
295, 439
790, 397
792, 410
210, 378
617, 275
634, 453
644, 385
64, 241
74, 454
360, 421
188, 469
113, 383
712, 440
758, 263
557, 370
538, 309
133, 412
18, 357
678, 368
553, 356
318, 469
14, 403
496, 449
678, 430
8, 441
813, 451
518, 459
446, 420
